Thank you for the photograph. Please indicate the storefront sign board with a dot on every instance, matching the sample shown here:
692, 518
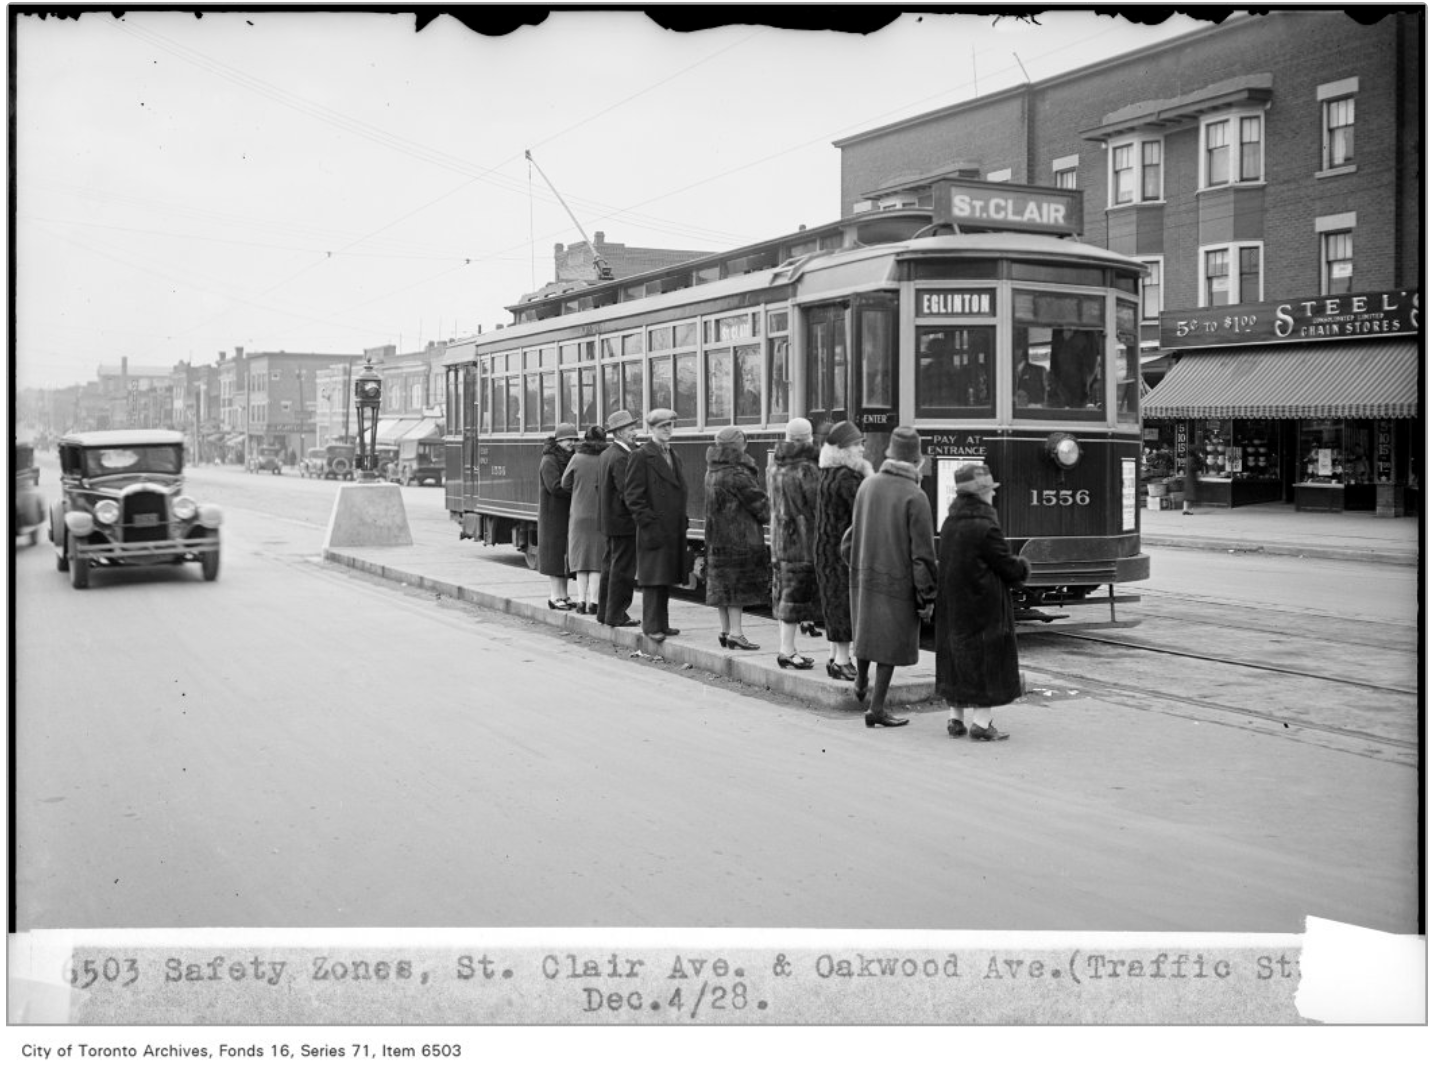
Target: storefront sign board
1351, 315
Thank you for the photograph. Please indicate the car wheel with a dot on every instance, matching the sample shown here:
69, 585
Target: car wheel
210, 565
62, 559
79, 571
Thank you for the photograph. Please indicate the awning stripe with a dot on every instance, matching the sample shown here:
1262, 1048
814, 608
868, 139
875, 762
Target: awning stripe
1372, 380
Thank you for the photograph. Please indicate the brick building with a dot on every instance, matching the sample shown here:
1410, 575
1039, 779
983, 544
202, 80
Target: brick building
1267, 173
576, 265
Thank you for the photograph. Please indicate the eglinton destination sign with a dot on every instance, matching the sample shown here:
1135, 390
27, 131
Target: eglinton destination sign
1346, 315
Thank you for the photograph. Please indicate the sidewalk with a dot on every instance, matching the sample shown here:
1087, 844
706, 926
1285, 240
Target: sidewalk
498, 578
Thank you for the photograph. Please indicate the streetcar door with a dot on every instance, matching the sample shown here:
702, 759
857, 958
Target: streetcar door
874, 396
826, 363
476, 394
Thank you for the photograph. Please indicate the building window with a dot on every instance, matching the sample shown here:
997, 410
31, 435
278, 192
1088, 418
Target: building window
1339, 133
1232, 150
1136, 171
1065, 179
1337, 263
1152, 290
1231, 275
1006, 174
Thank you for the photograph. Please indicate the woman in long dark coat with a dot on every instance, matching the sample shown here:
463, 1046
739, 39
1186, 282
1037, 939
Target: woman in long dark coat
794, 492
842, 467
737, 571
977, 649
553, 515
892, 568
586, 545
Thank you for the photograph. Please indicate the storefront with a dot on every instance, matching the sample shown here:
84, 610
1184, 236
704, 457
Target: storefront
1313, 402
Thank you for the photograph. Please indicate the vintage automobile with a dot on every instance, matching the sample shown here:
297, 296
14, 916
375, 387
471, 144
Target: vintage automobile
332, 462
29, 503
123, 503
270, 458
418, 463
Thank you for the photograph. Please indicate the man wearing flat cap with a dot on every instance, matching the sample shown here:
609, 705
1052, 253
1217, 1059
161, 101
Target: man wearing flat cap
656, 495
975, 644
618, 575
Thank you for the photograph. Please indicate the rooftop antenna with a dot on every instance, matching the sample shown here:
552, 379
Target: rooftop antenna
603, 268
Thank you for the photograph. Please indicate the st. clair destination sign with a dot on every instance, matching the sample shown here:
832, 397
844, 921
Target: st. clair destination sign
1310, 318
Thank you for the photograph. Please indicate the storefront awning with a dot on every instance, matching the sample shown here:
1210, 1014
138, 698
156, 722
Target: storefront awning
391, 430
424, 429
1369, 380
235, 440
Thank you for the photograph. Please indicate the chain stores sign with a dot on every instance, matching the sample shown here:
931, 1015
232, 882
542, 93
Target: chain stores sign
1311, 318
1003, 206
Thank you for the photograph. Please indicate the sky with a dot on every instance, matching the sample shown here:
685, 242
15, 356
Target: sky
336, 180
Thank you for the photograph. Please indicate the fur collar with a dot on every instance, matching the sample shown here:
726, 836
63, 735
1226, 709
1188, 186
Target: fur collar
724, 455
789, 452
831, 457
591, 447
967, 506
912, 471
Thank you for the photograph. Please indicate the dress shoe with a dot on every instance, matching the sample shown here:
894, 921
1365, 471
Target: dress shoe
623, 623
884, 718
956, 728
741, 643
988, 732
672, 632
841, 671
657, 637
810, 629
860, 694
795, 662
560, 605
724, 640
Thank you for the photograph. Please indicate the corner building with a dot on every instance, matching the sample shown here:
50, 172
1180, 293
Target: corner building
1266, 171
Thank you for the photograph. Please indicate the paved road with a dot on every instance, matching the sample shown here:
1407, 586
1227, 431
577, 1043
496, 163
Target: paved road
297, 745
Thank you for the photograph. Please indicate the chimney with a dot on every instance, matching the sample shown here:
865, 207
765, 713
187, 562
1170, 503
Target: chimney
222, 356
600, 238
237, 352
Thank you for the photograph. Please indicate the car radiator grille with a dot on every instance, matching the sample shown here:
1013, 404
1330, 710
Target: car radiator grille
146, 517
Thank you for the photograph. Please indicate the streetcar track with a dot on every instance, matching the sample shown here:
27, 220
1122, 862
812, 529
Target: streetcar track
1411, 746
1266, 631
1224, 661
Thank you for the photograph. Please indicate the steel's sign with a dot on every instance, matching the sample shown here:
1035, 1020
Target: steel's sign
1311, 318
1003, 206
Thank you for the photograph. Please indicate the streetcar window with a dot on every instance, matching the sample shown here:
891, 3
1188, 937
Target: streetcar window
876, 354
570, 353
955, 269
731, 328
779, 379
747, 384
685, 335
611, 388
588, 396
1057, 274
687, 389
662, 338
955, 372
662, 380
1128, 362
513, 405
779, 322
1058, 368
631, 391
826, 362
533, 403
486, 405
632, 344
548, 358
718, 399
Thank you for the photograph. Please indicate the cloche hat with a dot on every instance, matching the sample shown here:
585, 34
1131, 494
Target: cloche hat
904, 445
973, 479
843, 435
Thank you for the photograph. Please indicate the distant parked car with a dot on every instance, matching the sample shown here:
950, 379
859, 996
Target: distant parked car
29, 505
123, 503
333, 462
269, 459
418, 463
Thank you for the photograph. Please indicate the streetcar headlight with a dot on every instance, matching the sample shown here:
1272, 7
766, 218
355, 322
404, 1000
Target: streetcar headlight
106, 512
1064, 450
185, 508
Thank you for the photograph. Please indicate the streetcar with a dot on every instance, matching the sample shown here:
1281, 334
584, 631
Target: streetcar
981, 321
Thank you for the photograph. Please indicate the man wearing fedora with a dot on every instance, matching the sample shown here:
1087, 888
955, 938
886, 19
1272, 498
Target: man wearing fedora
976, 648
892, 581
656, 495
618, 574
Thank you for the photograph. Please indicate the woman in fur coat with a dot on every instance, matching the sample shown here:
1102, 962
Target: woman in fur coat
586, 544
794, 490
842, 467
737, 570
553, 515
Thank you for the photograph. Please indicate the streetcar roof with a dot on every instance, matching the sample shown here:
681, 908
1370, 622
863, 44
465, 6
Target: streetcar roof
122, 438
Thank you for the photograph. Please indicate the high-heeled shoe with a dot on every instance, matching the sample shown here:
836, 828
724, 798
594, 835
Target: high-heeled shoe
724, 640
562, 604
841, 671
741, 643
860, 694
795, 662
883, 718
810, 629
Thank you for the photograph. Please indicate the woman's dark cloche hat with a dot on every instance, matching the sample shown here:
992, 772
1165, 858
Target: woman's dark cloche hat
904, 445
843, 435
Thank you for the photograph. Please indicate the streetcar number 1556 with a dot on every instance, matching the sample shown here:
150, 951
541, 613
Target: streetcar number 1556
1060, 497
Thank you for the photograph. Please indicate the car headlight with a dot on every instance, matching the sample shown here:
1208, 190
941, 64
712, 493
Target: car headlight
185, 508
1064, 450
107, 512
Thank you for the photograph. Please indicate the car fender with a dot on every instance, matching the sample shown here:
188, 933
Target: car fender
210, 515
79, 523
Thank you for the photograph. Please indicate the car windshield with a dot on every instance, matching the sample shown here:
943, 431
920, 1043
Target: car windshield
139, 459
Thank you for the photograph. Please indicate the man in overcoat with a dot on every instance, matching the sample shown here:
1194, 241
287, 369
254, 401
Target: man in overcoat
656, 495
892, 568
976, 654
618, 574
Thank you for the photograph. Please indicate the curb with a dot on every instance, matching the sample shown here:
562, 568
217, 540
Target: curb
743, 667
1388, 557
